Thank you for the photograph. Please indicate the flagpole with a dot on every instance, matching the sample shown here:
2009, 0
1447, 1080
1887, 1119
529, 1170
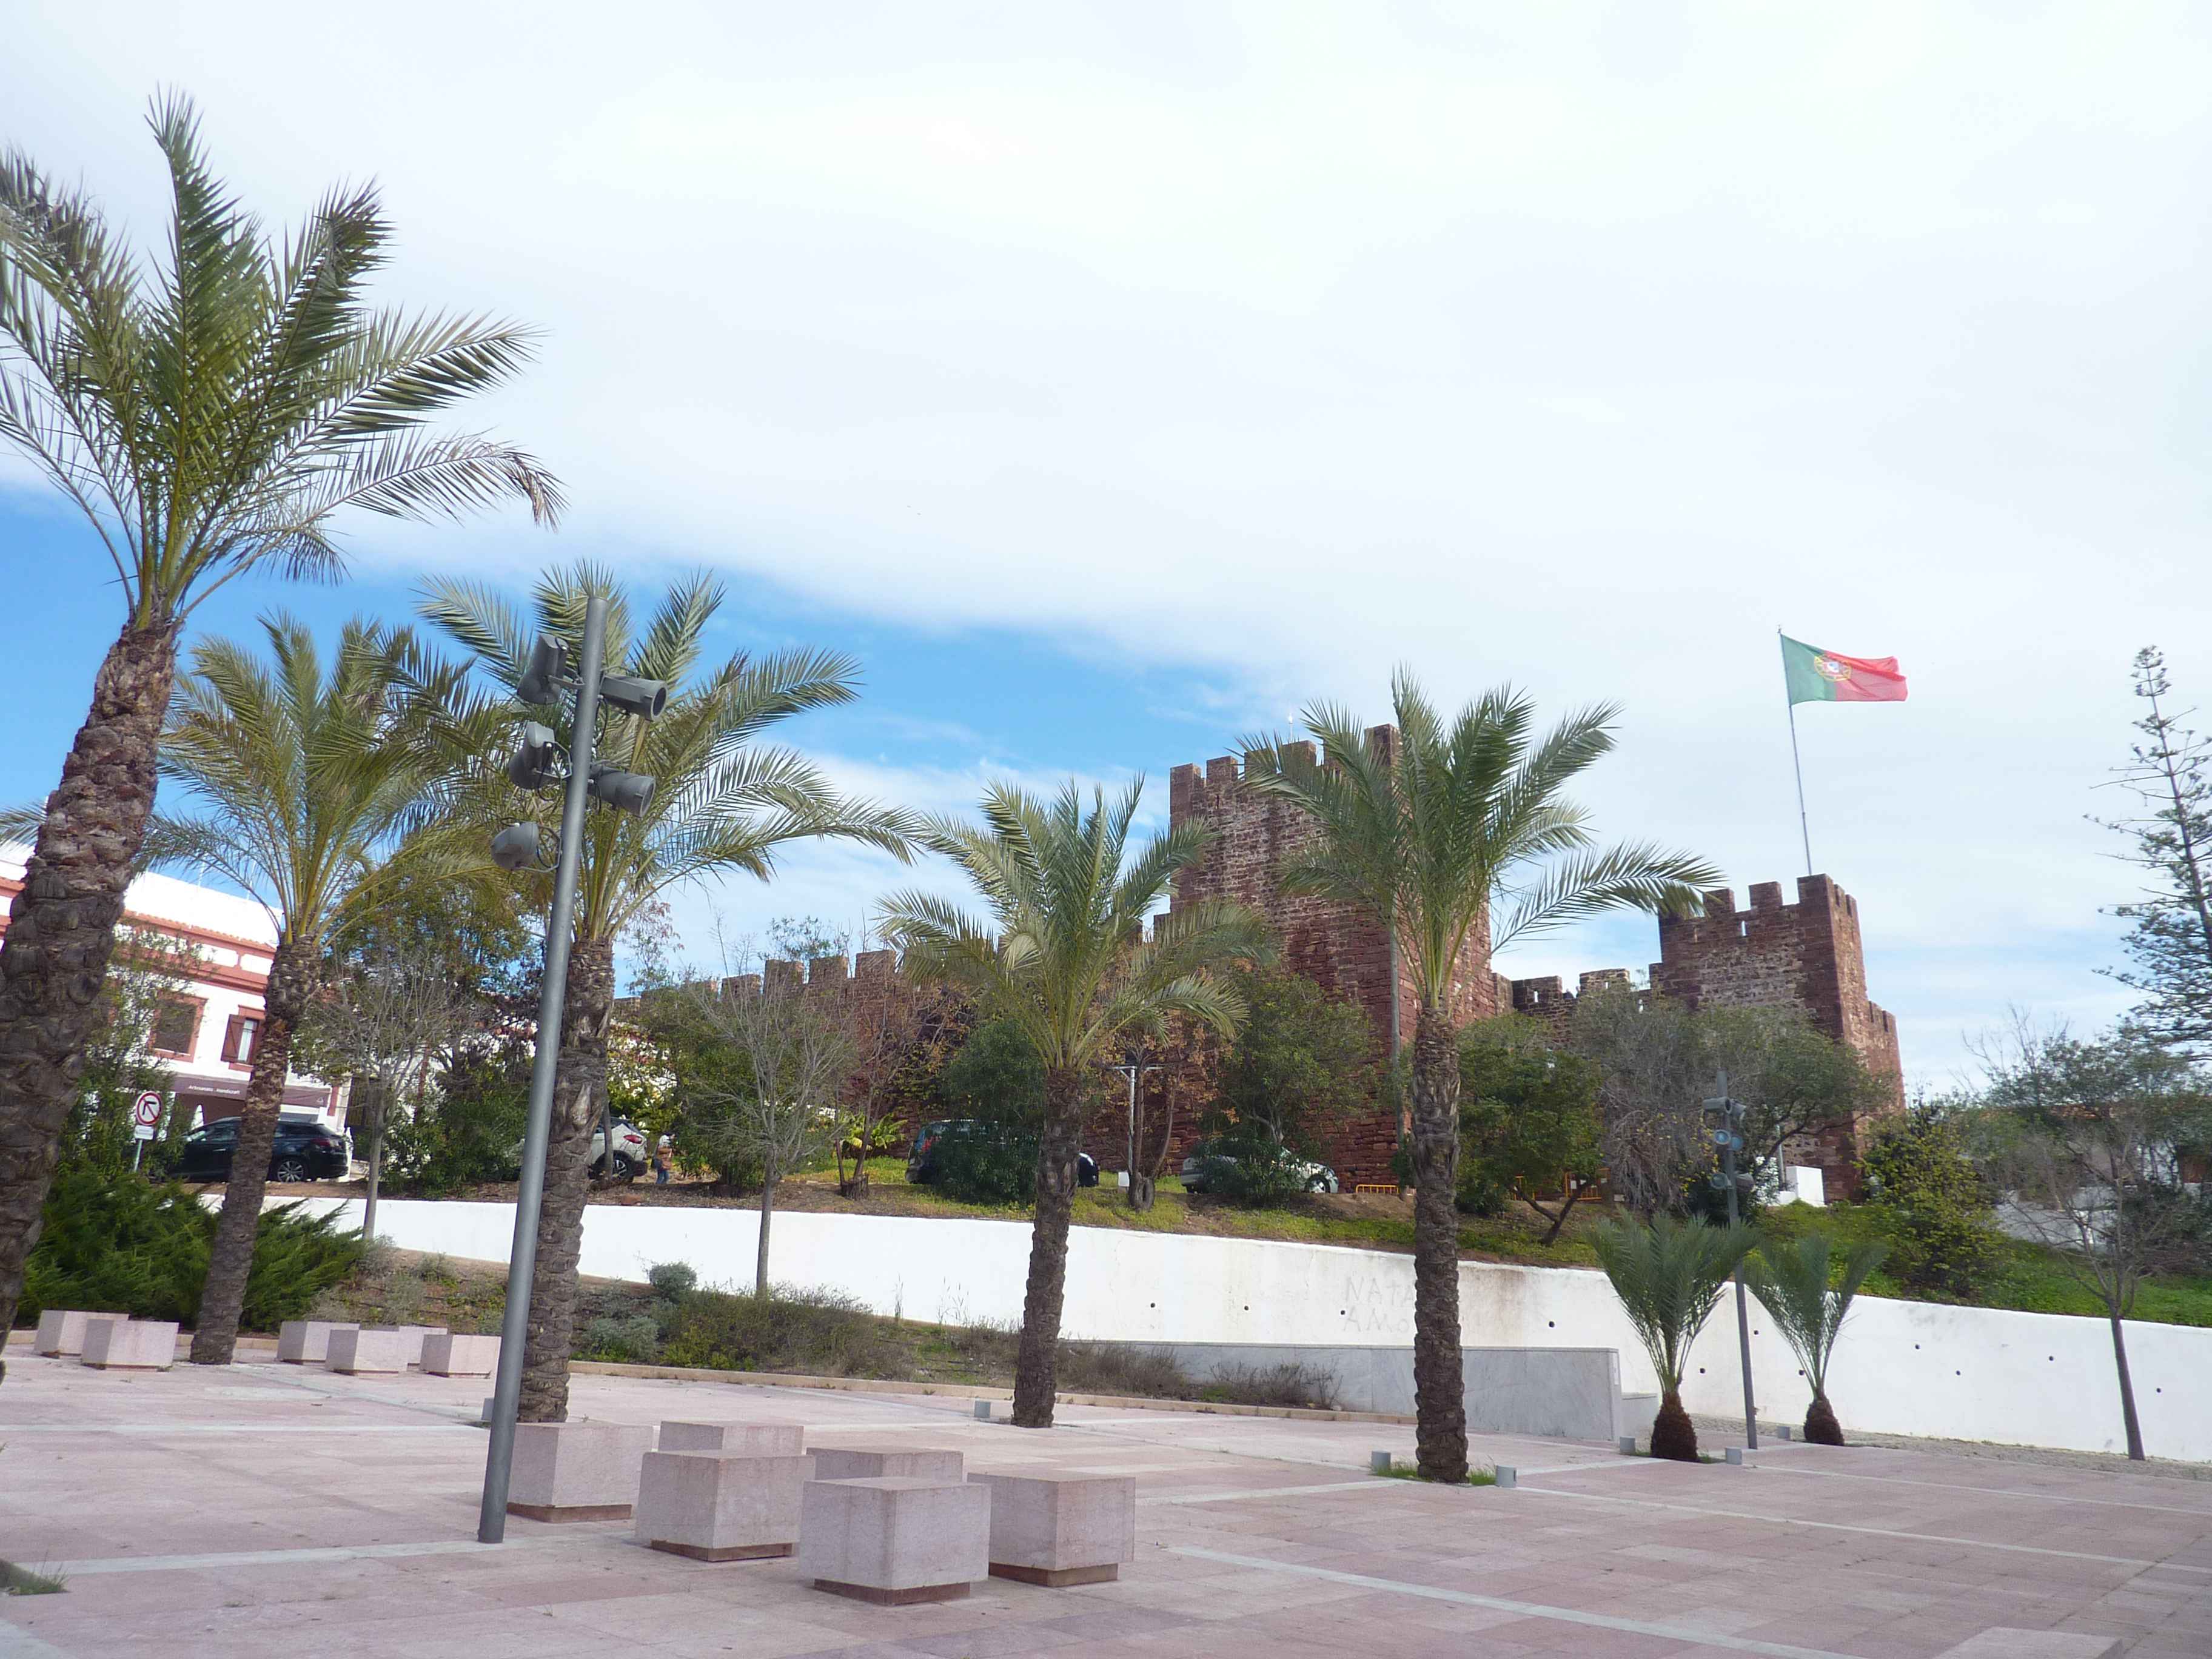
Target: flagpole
1797, 763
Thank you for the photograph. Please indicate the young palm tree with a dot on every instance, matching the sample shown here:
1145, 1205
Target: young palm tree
210, 413
1669, 1274
1063, 958
1792, 1281
305, 782
722, 803
1426, 833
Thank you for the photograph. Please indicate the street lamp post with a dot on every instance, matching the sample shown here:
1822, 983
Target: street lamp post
519, 847
1134, 1068
1729, 1138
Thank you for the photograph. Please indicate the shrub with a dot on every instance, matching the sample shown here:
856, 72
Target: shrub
1253, 1169
122, 1246
467, 1135
989, 1168
633, 1340
672, 1279
819, 1332
1926, 1199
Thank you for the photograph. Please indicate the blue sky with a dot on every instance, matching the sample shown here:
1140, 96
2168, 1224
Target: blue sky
1113, 378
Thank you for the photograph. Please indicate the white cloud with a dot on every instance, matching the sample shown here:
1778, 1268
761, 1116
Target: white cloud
1580, 345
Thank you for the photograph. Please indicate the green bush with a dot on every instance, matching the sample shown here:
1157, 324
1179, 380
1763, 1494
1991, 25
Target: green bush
1252, 1169
1923, 1195
816, 1333
632, 1340
672, 1279
119, 1245
468, 1134
987, 1167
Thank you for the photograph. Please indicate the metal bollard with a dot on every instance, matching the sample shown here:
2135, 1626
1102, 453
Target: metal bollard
982, 1411
1507, 1474
1378, 1462
1628, 1445
1785, 1432
1735, 1455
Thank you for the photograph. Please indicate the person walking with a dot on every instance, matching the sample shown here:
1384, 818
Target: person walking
664, 1161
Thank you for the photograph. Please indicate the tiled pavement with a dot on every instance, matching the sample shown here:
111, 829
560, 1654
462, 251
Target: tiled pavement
268, 1511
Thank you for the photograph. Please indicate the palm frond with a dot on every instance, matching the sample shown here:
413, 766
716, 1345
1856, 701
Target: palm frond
1808, 1297
1668, 1275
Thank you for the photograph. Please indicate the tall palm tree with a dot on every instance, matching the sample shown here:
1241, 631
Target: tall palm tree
1792, 1281
210, 412
1063, 957
1433, 834
1669, 1274
304, 782
724, 803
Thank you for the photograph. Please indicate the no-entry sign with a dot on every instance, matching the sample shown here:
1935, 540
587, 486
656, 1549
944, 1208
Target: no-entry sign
145, 1115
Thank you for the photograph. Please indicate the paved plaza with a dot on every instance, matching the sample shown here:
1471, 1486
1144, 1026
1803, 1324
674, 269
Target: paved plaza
263, 1510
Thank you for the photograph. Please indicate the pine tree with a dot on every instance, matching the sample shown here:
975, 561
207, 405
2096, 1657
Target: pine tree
2171, 942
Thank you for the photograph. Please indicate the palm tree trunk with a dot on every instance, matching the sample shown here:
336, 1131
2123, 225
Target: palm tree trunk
61, 928
1439, 1374
1820, 1426
1039, 1351
1672, 1435
2127, 1386
230, 1264
578, 1086
767, 1213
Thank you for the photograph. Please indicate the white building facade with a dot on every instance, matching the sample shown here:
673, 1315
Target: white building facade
205, 1033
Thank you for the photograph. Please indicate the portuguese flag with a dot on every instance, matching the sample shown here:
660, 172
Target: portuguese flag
1818, 675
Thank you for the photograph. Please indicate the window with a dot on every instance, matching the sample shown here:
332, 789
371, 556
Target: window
175, 1027
241, 1038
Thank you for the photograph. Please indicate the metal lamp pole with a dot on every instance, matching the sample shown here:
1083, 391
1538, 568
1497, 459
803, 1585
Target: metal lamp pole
522, 1260
1134, 1069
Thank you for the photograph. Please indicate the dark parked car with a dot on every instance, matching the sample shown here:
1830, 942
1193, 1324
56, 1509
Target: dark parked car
930, 1139
304, 1151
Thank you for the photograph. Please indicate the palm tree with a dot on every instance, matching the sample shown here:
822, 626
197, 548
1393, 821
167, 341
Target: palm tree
723, 803
1669, 1274
1792, 1283
1064, 959
1427, 831
307, 781
210, 413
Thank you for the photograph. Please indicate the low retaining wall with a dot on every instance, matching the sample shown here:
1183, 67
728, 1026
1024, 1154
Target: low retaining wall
1903, 1367
1572, 1392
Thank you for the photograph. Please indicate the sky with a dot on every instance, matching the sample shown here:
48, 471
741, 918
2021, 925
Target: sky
1113, 381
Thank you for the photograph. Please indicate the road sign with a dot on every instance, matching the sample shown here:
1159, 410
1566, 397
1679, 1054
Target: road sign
145, 1115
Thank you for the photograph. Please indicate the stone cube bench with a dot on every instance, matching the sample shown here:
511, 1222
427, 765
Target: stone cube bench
447, 1355
880, 1463
752, 1439
416, 1336
1055, 1529
304, 1341
62, 1331
355, 1351
894, 1540
720, 1506
577, 1471
131, 1344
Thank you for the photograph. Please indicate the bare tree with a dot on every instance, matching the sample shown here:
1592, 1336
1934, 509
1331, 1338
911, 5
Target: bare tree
2084, 1140
1652, 1069
761, 1070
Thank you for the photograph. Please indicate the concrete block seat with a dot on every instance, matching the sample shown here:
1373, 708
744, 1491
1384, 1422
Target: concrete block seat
62, 1331
131, 1344
416, 1336
1052, 1527
894, 1540
884, 1462
355, 1351
447, 1355
307, 1341
577, 1471
750, 1439
720, 1506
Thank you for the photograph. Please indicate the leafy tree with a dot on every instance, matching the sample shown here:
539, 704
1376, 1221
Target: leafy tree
1065, 959
724, 802
211, 413
1528, 1115
1808, 1301
995, 1077
2171, 941
1302, 1063
1651, 1075
148, 969
1925, 1192
1426, 833
2086, 1141
469, 1135
1796, 1080
1669, 1274
306, 781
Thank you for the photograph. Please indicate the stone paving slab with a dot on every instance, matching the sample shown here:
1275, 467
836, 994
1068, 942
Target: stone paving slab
256, 1510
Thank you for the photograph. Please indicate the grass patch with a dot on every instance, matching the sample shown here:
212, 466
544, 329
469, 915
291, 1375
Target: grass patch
1411, 1472
22, 1581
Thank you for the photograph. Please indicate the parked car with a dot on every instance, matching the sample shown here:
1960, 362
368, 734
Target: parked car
633, 1152
929, 1141
1202, 1172
304, 1151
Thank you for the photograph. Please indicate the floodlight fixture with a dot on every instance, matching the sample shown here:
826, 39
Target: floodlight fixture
633, 697
537, 757
628, 792
542, 680
519, 846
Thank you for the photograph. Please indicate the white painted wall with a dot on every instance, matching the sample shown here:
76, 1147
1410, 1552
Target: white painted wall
1902, 1368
